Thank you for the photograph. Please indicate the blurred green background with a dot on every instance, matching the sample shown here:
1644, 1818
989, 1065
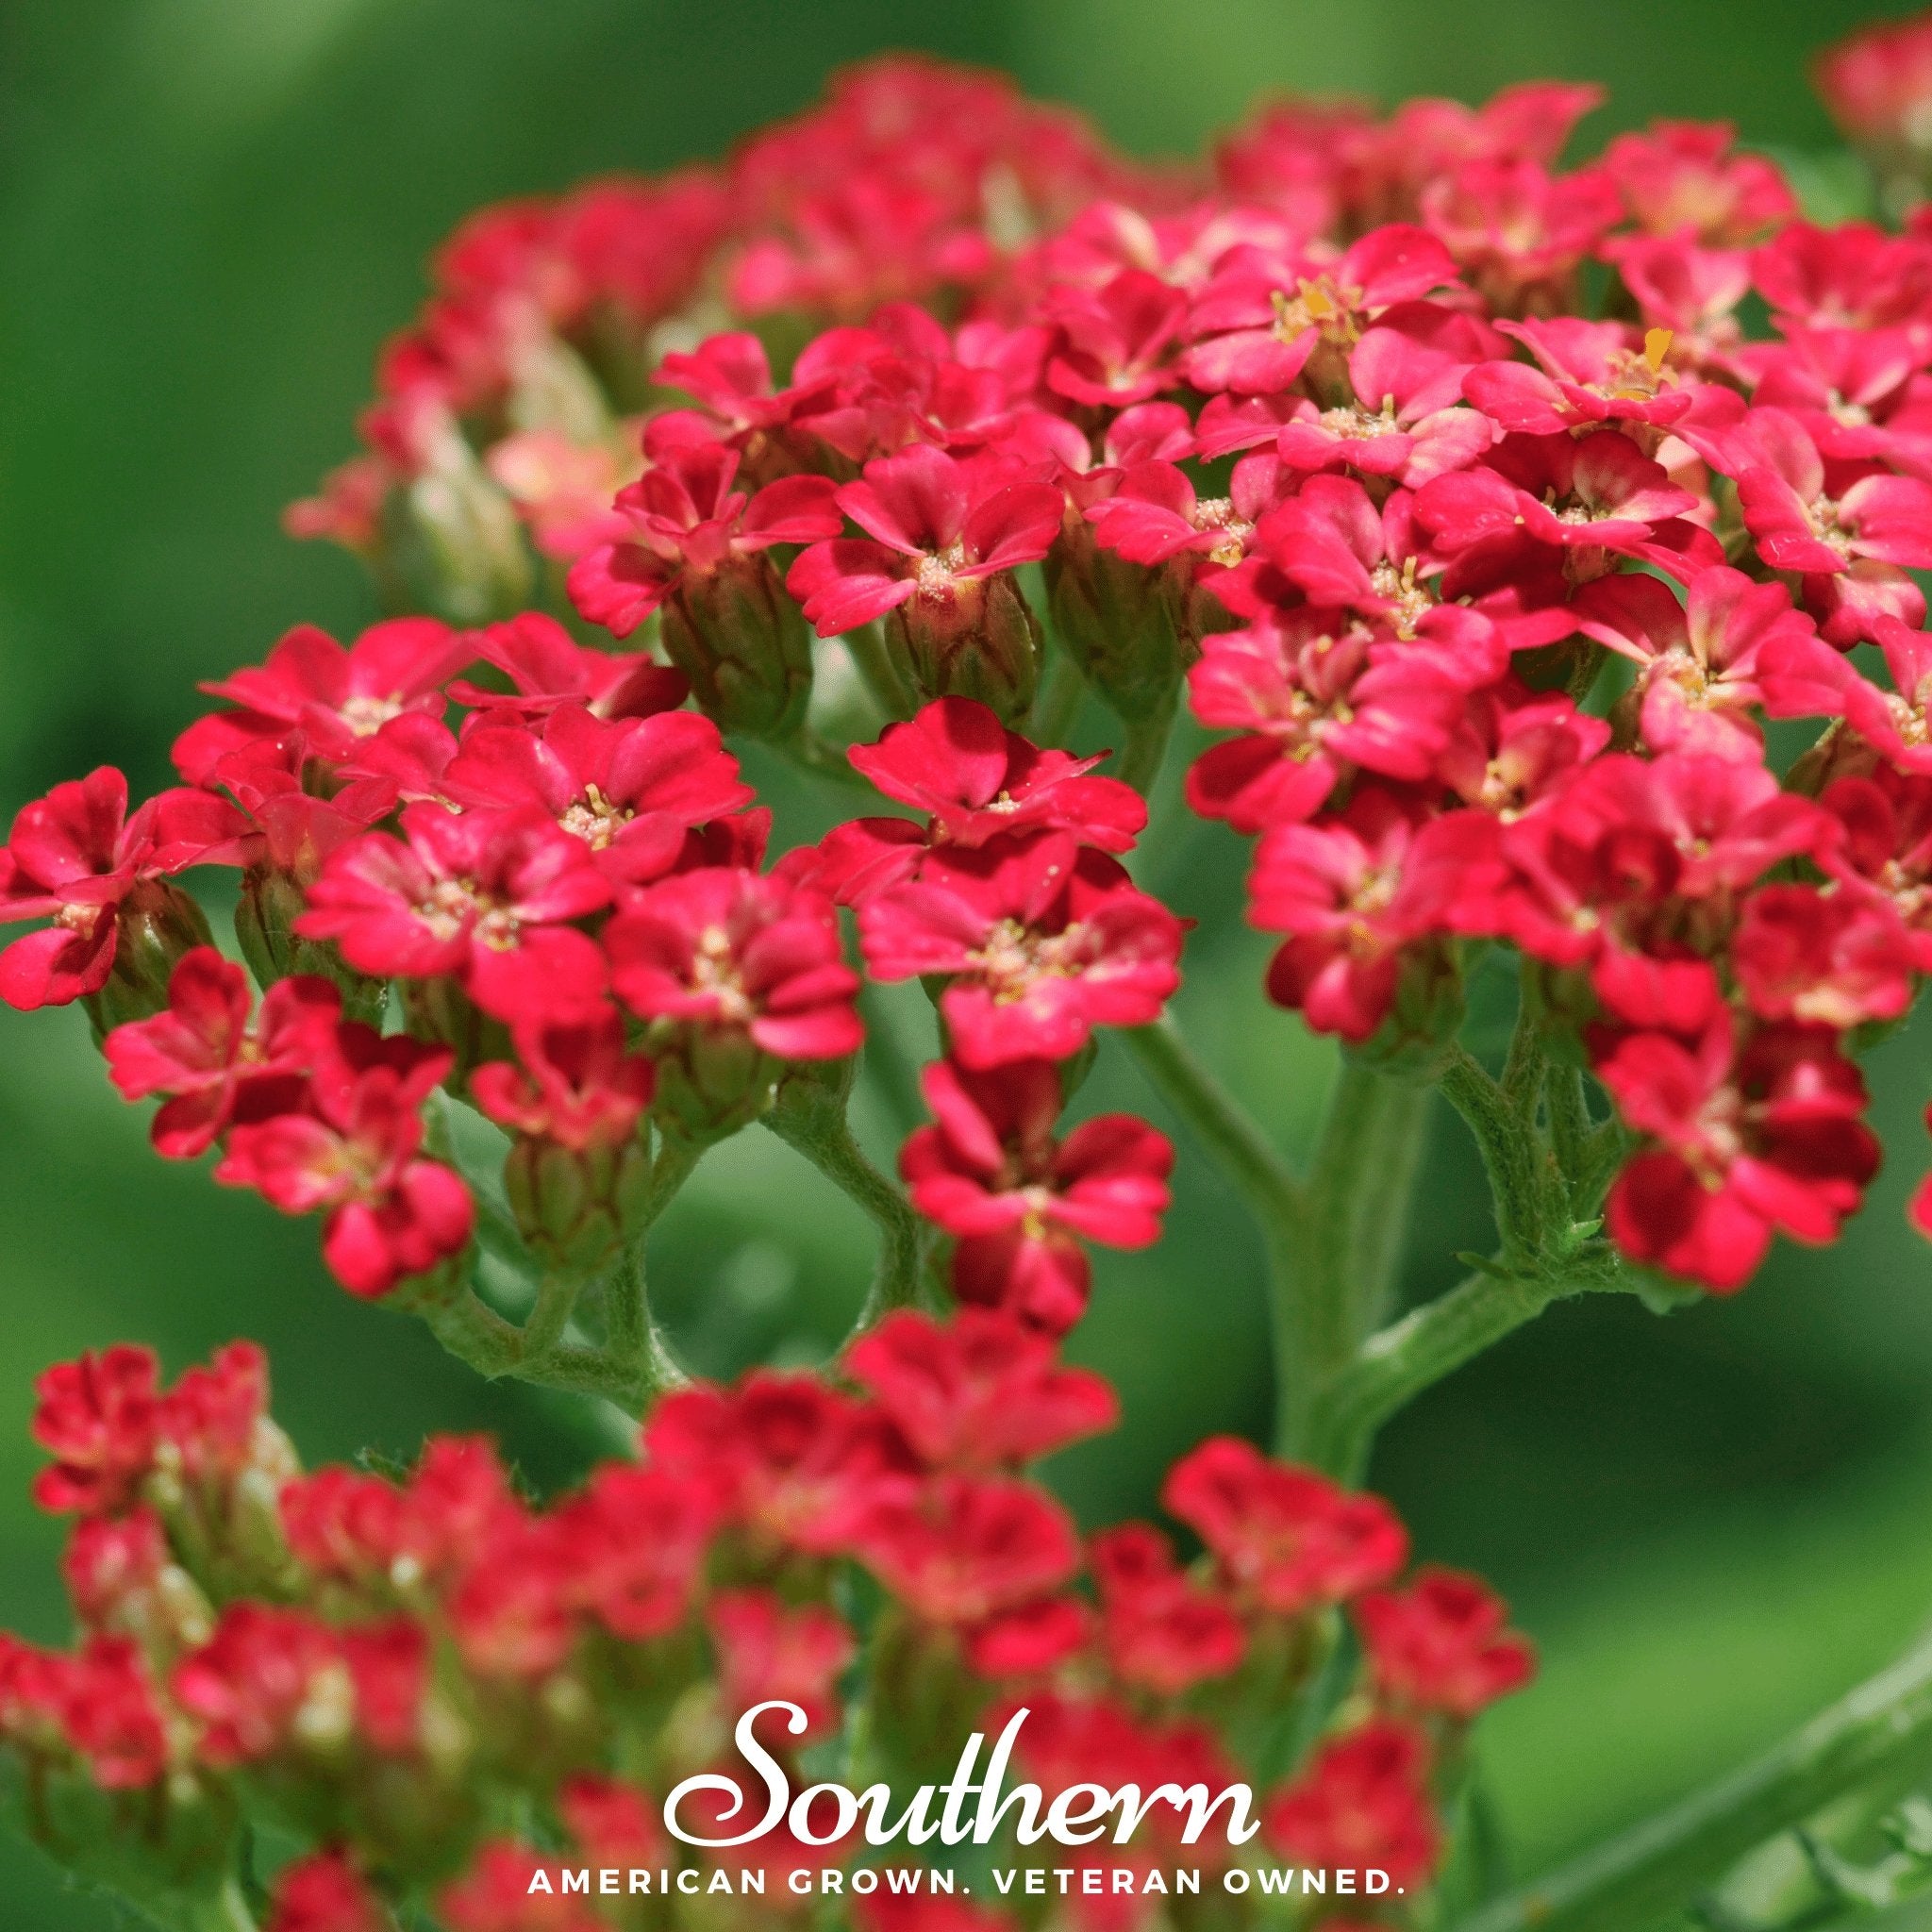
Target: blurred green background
211, 211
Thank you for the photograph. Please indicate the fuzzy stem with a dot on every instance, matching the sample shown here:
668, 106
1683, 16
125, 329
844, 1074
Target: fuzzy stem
1883, 1728
1331, 1285
811, 1120
1395, 1365
633, 1342
1505, 1130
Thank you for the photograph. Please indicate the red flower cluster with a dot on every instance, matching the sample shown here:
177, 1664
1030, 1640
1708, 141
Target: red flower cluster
394, 1662
1456, 499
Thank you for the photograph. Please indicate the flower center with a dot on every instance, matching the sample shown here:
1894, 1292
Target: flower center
594, 819
714, 971
366, 715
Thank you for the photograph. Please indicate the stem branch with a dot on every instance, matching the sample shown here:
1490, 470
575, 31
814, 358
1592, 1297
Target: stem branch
1882, 1728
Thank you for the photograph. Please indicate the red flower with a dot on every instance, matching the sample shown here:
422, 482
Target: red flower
1314, 697
111, 1567
1362, 1802
1803, 677
572, 1083
1285, 1538
1163, 1632
1517, 231
686, 524
334, 698
106, 1706
1802, 520
1586, 373
979, 1391
1684, 177
936, 527
788, 1458
1746, 1139
1592, 500
323, 1893
546, 666
630, 790
1115, 342
1043, 941
248, 1685
1256, 324
1352, 893
202, 1053
767, 1649
353, 1151
991, 1172
963, 1548
99, 1418
78, 858
639, 1588
1887, 847
1440, 1644
484, 897
956, 761
1837, 958
1622, 849
1700, 666
722, 949
1875, 84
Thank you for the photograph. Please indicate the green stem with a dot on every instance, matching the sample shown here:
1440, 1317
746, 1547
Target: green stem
633, 1339
1331, 1286
1397, 1364
1146, 746
1056, 702
882, 675
1882, 1729
1505, 1130
1227, 1134
810, 753
222, 1911
814, 1122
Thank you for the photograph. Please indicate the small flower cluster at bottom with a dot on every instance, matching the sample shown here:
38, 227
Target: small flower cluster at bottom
451, 1695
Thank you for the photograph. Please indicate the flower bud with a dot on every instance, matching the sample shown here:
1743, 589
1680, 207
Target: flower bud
1425, 1014
1120, 620
744, 644
157, 925
576, 1206
455, 541
978, 638
264, 927
711, 1082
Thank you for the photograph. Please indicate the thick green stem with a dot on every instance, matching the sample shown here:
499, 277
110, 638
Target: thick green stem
1504, 1129
1331, 1285
1227, 1134
882, 675
1883, 1729
1146, 748
814, 1122
810, 753
226, 1910
1393, 1366
633, 1340
1056, 702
